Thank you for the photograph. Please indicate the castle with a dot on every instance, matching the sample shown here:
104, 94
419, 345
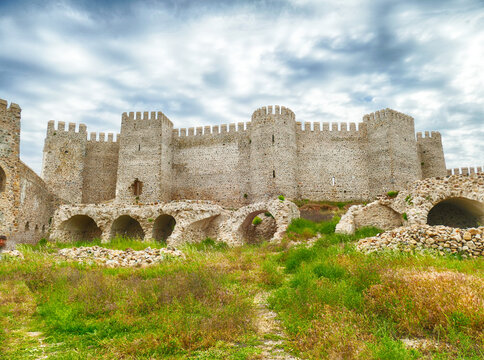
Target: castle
232, 165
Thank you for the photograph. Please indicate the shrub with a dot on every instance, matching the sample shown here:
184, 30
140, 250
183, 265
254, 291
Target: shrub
392, 194
281, 197
405, 216
409, 200
256, 221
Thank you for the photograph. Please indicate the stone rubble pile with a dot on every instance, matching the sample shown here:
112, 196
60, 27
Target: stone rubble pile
443, 239
119, 258
13, 253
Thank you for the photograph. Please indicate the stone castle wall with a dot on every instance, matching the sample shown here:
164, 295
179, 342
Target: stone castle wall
26, 205
79, 170
237, 164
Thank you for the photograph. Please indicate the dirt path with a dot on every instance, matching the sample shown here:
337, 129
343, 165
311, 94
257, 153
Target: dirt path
270, 331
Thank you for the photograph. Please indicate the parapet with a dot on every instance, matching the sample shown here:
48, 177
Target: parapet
52, 130
340, 128
240, 127
385, 114
13, 109
145, 120
465, 170
273, 110
434, 135
101, 137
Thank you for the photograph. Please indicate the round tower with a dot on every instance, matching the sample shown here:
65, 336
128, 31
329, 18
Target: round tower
273, 153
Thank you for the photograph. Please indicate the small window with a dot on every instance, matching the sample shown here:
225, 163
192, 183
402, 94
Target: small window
333, 181
139, 147
3, 180
137, 187
273, 139
27, 226
273, 173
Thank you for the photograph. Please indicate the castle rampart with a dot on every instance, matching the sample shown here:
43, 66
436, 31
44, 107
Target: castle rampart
234, 164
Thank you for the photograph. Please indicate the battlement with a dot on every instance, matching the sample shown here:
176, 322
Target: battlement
465, 170
273, 110
212, 130
386, 114
13, 109
94, 138
141, 120
334, 127
435, 135
53, 130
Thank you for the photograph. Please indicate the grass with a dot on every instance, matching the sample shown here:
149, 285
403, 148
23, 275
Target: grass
333, 302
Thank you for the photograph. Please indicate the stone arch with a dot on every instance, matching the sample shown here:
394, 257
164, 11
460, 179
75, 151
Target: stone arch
3, 180
257, 231
79, 227
457, 212
204, 228
163, 227
127, 226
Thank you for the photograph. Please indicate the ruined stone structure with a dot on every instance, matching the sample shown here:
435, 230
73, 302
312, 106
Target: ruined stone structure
455, 201
150, 164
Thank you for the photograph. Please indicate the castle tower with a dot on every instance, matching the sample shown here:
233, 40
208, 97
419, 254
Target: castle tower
431, 154
9, 158
63, 160
273, 153
393, 159
145, 158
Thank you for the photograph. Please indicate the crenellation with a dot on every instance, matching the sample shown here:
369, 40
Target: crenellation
317, 127
353, 127
232, 128
191, 131
344, 127
307, 126
72, 127
334, 127
207, 130
183, 132
199, 131
93, 136
223, 128
61, 126
3, 105
215, 129
470, 170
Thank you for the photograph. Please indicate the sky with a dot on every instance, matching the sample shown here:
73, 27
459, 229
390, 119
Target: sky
210, 62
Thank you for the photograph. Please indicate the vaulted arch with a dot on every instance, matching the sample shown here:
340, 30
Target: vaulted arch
163, 227
127, 226
80, 227
457, 212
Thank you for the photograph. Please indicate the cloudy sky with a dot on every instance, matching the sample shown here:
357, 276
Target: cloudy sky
207, 62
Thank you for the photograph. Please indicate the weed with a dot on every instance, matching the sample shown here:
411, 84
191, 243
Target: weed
392, 194
256, 221
281, 197
405, 216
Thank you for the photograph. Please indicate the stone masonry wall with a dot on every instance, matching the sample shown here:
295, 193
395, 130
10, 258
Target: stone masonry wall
211, 164
100, 169
241, 163
431, 154
332, 163
26, 205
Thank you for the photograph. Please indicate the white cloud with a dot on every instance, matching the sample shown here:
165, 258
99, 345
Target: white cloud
328, 61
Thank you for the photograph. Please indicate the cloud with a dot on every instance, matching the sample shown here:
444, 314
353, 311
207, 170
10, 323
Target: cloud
213, 62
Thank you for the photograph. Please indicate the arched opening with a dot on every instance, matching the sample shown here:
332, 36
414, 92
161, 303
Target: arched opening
203, 229
163, 227
3, 180
80, 228
258, 226
457, 212
27, 226
126, 226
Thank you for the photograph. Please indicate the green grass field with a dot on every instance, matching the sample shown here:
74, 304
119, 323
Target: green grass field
332, 301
